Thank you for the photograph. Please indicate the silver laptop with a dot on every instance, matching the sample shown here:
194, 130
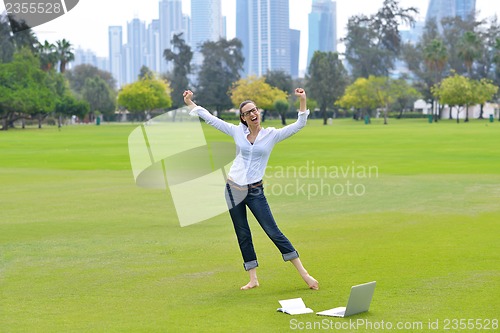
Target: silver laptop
359, 301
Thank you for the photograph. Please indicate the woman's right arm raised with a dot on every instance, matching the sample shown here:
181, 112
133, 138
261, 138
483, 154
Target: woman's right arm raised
210, 119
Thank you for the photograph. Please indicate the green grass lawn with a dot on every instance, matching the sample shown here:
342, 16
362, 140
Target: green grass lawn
83, 249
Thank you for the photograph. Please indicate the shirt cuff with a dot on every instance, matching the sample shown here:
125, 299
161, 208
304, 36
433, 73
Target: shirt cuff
194, 111
306, 112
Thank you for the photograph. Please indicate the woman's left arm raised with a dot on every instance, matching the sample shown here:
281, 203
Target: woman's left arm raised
291, 129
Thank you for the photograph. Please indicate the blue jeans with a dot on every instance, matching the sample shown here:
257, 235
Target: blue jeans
238, 198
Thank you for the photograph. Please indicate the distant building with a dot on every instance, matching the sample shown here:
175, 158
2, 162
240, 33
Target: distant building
115, 53
171, 22
322, 27
153, 54
136, 43
89, 57
206, 25
294, 52
439, 9
264, 28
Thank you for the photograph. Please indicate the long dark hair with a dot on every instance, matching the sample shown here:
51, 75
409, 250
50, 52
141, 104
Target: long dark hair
241, 107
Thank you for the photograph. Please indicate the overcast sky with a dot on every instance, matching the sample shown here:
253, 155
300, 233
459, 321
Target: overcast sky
87, 24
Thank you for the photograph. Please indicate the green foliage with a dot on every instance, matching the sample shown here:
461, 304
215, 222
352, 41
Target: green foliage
25, 90
181, 60
222, 64
280, 79
374, 43
326, 80
145, 95
64, 51
99, 96
69, 105
78, 75
257, 90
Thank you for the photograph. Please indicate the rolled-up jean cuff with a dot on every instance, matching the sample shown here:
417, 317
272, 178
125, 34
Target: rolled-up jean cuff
290, 256
250, 264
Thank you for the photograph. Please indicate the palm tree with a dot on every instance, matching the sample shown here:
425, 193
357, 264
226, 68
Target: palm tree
435, 57
64, 54
468, 49
48, 55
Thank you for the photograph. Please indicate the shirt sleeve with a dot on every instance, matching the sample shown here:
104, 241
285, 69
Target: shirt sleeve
291, 129
213, 121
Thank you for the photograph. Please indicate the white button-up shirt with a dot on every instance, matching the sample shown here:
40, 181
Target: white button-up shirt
250, 163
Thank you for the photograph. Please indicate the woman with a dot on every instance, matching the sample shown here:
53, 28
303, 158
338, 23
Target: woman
244, 185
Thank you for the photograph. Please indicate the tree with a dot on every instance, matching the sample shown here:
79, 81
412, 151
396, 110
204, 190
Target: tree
99, 97
64, 54
282, 107
283, 81
405, 95
484, 91
257, 90
435, 57
326, 80
222, 64
454, 28
181, 60
358, 96
484, 64
145, 72
25, 90
68, 105
373, 43
468, 50
78, 75
280, 79
7, 48
48, 55
11, 42
425, 62
145, 95
456, 90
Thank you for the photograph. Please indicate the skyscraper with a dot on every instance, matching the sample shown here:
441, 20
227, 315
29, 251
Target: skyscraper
439, 9
206, 25
264, 28
136, 42
153, 56
171, 22
115, 53
322, 27
294, 52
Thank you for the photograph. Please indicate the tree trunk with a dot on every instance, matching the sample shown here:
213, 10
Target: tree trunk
481, 112
23, 123
59, 121
385, 117
40, 120
458, 114
283, 118
325, 120
467, 113
4, 124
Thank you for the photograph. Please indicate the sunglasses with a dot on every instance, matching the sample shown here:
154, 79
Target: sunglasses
247, 113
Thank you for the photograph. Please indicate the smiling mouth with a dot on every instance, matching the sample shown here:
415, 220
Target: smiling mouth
254, 118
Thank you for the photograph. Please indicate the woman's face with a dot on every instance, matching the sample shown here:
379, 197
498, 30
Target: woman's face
251, 114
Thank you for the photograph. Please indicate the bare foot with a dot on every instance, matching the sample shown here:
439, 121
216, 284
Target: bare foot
311, 282
250, 285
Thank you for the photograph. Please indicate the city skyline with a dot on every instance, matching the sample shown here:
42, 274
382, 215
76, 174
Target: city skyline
86, 26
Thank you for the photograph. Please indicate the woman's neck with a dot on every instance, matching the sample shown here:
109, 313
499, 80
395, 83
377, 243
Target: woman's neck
254, 128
